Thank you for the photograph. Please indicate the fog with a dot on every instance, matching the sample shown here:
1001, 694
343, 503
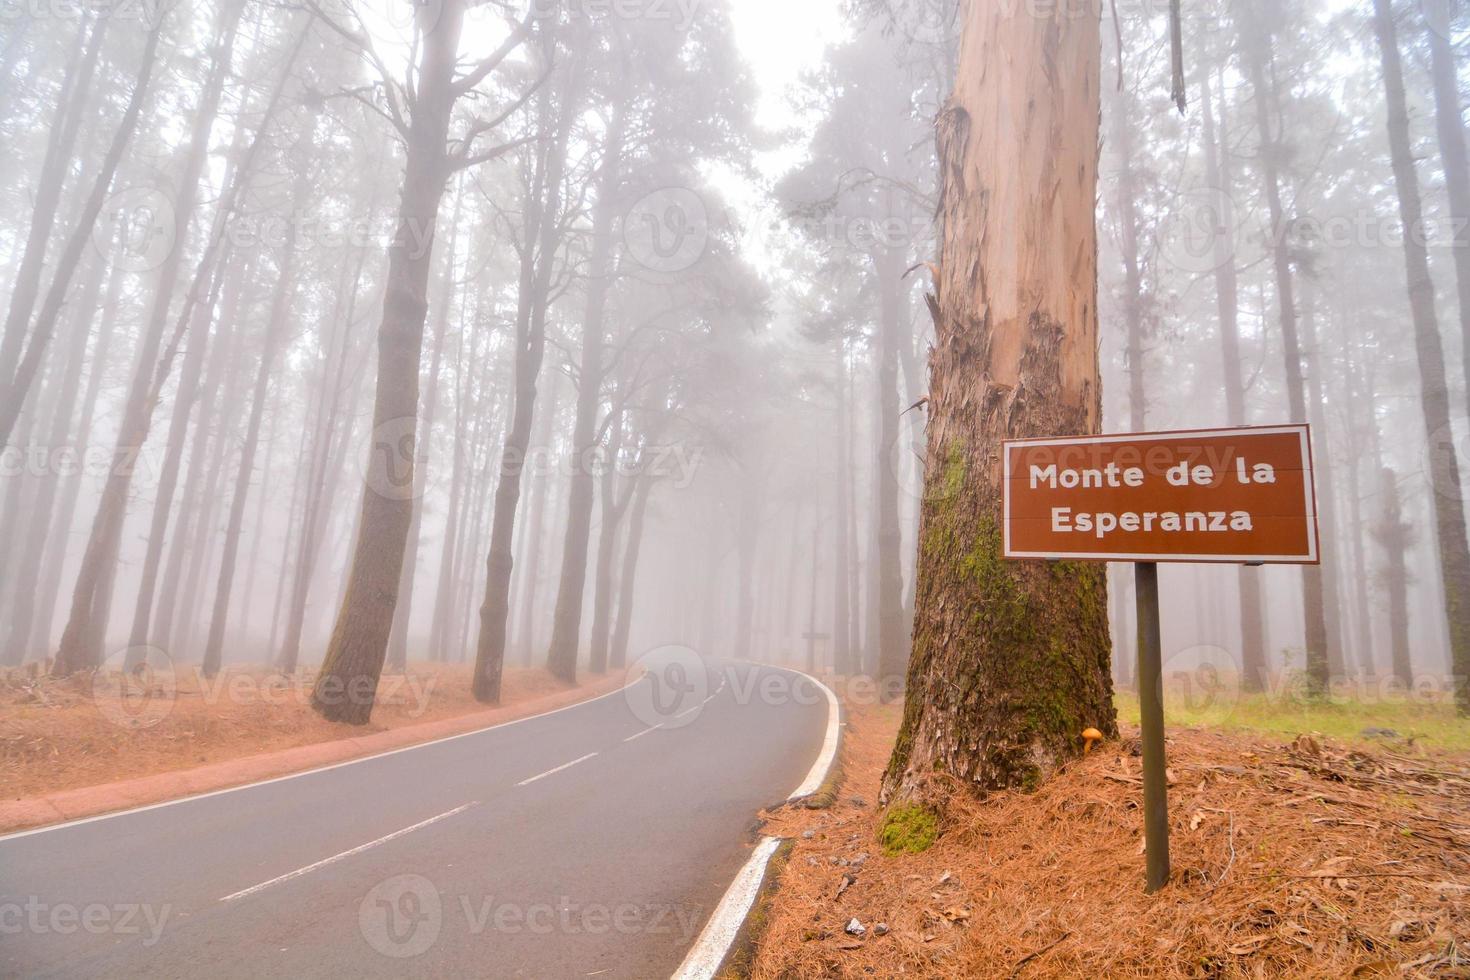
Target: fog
615, 316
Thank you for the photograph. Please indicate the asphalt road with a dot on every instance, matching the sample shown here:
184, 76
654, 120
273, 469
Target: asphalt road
591, 841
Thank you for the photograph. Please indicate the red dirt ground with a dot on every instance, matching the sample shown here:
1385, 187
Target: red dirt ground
1302, 859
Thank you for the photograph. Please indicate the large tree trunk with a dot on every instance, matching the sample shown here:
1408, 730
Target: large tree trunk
537, 257
398, 638
1444, 465
566, 623
348, 680
1227, 303
1010, 660
1321, 661
1449, 124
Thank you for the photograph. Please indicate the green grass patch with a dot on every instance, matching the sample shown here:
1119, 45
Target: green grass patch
908, 830
1430, 721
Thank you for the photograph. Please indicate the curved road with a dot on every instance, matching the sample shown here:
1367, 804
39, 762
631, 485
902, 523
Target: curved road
591, 841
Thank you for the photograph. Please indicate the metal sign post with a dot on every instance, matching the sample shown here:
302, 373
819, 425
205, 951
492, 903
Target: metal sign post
1151, 718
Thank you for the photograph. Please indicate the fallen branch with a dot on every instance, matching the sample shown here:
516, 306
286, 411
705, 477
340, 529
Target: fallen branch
1016, 970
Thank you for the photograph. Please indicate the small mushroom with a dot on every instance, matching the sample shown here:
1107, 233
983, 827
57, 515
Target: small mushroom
1090, 735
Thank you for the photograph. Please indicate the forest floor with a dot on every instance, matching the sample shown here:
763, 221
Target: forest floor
58, 735
1304, 856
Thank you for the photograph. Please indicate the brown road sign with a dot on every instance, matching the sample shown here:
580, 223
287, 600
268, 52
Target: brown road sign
1211, 495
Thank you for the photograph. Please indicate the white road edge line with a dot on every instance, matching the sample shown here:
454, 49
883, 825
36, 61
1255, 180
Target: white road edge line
709, 950
346, 854
564, 765
818, 773
307, 772
708, 953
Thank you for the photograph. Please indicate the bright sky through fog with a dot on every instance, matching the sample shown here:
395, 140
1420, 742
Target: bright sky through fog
780, 40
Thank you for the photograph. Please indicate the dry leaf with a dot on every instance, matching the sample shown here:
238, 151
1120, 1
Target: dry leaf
1249, 946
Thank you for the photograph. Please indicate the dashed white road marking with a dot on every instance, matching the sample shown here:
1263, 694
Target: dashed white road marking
549, 772
346, 854
642, 733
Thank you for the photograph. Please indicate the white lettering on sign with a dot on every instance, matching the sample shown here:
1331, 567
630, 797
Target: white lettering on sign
1064, 521
1068, 479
